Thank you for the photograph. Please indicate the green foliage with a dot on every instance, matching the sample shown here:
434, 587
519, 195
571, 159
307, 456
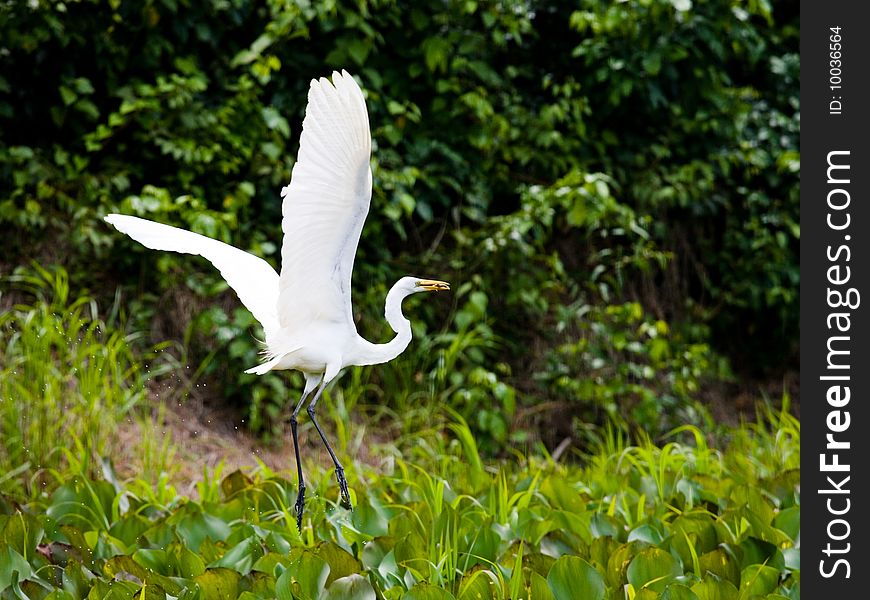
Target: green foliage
628, 365
67, 376
641, 521
569, 161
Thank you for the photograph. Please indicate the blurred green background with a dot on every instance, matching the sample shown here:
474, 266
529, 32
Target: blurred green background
612, 189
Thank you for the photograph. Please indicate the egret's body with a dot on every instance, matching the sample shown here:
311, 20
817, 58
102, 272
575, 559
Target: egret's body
306, 310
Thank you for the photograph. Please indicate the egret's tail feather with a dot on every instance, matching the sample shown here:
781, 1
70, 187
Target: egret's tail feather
265, 367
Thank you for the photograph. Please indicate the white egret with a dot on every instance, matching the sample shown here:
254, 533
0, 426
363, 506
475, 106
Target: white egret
306, 310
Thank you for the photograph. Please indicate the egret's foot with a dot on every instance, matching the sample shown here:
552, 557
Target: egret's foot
300, 506
342, 486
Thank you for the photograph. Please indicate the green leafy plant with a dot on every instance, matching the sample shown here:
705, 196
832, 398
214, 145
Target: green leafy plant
67, 377
645, 520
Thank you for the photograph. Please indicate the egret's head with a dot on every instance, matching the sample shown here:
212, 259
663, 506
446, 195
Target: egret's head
412, 285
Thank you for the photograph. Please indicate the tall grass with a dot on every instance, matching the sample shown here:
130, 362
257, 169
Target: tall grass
67, 377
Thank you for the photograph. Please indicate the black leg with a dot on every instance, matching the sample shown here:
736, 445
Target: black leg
339, 470
300, 498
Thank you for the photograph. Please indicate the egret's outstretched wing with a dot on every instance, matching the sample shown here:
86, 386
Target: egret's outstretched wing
252, 278
325, 205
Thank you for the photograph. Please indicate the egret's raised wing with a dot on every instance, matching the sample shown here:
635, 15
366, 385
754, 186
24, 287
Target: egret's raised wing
325, 205
252, 278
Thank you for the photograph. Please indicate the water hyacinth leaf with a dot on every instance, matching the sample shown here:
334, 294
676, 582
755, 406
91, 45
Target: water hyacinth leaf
722, 563
618, 562
284, 586
604, 525
196, 528
271, 563
125, 567
713, 588
572, 577
219, 584
539, 588
309, 573
653, 568
352, 587
74, 580
183, 562
60, 594
644, 593
645, 533
129, 529
22, 532
13, 567
341, 562
155, 560
426, 591
754, 551
370, 518
479, 586
758, 580
789, 521
241, 557
150, 592
234, 483
678, 591
792, 558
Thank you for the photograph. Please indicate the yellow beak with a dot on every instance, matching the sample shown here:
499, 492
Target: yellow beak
433, 285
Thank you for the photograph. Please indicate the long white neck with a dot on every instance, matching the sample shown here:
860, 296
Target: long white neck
373, 354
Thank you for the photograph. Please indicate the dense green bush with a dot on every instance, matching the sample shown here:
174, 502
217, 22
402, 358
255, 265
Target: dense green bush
559, 157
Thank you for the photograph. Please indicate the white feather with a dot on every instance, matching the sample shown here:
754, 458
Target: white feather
325, 206
251, 277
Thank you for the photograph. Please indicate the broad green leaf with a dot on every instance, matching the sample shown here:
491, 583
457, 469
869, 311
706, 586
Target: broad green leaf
309, 574
653, 568
74, 580
13, 567
722, 563
645, 533
241, 557
341, 563
425, 591
352, 587
758, 580
183, 562
792, 558
129, 528
219, 584
713, 588
284, 586
479, 586
155, 560
235, 482
619, 560
199, 526
22, 532
271, 563
678, 591
789, 521
572, 577
539, 589
604, 525
125, 565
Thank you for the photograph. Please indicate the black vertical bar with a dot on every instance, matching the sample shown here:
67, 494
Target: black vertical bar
835, 268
